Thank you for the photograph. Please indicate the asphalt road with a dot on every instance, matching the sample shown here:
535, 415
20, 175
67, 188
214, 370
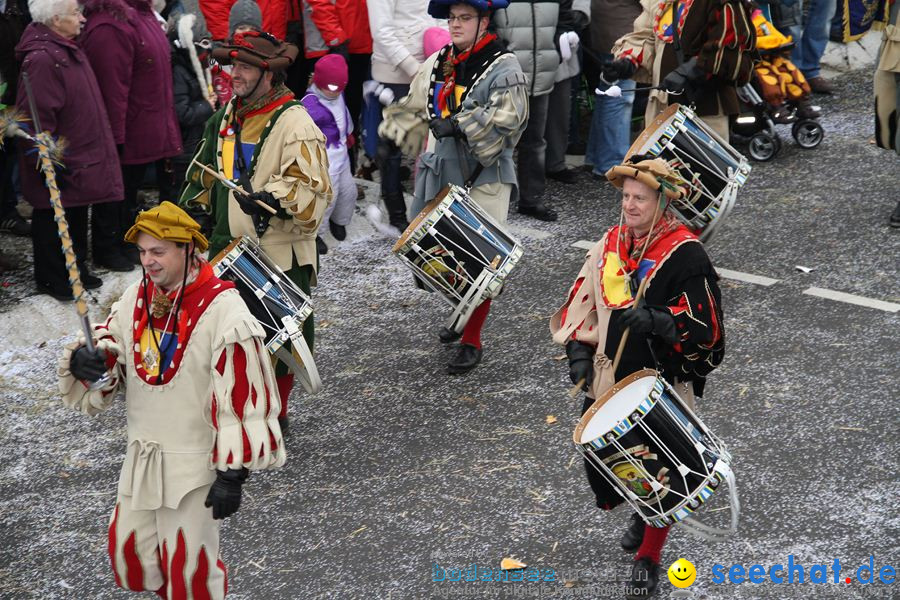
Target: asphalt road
396, 468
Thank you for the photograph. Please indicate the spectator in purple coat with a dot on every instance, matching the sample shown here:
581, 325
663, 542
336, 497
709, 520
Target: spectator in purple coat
69, 105
131, 57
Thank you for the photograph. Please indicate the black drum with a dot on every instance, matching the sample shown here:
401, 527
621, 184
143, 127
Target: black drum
653, 450
456, 249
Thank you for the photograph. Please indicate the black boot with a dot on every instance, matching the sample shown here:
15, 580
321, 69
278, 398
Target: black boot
338, 231
634, 535
321, 246
396, 210
895, 216
465, 360
644, 579
448, 336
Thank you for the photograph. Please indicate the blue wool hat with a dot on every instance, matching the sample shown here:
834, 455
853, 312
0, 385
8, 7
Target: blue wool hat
440, 9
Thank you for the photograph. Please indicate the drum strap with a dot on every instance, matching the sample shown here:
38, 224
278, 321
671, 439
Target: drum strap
464, 166
474, 176
676, 36
260, 222
244, 179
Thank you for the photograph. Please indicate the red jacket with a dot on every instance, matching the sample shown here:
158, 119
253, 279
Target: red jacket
274, 13
328, 23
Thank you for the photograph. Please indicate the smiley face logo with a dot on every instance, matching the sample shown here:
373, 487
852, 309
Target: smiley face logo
682, 573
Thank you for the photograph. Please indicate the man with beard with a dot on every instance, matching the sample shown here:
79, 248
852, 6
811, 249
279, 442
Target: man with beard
264, 140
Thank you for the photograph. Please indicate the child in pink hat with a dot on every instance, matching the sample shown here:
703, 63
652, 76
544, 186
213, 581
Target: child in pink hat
324, 101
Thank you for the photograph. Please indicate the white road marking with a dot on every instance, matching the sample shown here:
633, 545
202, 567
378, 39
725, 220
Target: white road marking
746, 277
852, 299
584, 244
535, 234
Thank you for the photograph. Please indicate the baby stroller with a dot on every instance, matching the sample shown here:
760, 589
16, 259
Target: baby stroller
786, 99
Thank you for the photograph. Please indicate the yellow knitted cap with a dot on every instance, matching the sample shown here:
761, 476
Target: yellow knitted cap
168, 222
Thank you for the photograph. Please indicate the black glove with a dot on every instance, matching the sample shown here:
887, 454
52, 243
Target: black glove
444, 128
86, 365
621, 68
342, 49
249, 206
649, 320
225, 494
686, 77
581, 362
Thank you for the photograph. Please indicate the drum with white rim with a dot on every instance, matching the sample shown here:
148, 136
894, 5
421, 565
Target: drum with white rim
656, 453
277, 303
712, 169
456, 249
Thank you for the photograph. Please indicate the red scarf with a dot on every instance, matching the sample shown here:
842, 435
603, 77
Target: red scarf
450, 78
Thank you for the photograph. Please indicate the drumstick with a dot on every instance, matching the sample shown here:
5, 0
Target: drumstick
232, 185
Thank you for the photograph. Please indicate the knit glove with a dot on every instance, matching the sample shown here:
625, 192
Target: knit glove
685, 77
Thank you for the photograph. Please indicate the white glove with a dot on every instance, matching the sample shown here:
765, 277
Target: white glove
385, 95
612, 91
368, 87
568, 44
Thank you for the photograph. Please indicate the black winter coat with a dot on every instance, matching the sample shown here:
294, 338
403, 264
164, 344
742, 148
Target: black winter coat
191, 106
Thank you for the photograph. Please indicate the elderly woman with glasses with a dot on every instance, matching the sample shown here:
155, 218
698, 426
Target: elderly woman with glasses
68, 104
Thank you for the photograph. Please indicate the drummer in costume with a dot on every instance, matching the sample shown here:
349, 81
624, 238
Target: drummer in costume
264, 140
473, 98
183, 348
676, 329
701, 49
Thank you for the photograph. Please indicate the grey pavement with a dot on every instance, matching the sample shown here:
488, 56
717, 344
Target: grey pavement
397, 468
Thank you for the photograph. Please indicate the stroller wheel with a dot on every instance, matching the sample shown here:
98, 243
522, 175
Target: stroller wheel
763, 146
807, 133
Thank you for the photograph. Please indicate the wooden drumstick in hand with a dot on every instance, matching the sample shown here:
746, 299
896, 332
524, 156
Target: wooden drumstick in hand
232, 185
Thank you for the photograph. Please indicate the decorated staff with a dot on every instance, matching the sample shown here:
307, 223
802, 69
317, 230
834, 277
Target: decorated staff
651, 277
50, 154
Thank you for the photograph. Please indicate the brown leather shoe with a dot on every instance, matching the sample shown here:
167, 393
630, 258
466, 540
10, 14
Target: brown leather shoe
820, 85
